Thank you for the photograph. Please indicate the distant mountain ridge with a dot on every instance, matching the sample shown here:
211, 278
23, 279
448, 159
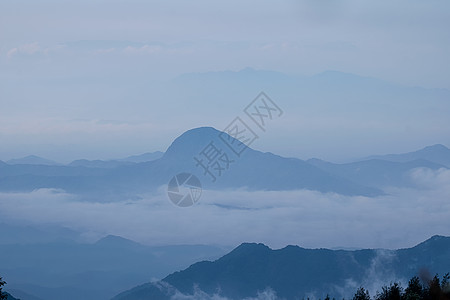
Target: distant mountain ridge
254, 170
377, 172
149, 156
438, 154
102, 164
294, 272
114, 163
32, 160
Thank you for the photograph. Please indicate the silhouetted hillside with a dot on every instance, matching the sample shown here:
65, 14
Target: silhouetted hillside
294, 272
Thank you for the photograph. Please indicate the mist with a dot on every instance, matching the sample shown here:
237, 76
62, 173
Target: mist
310, 219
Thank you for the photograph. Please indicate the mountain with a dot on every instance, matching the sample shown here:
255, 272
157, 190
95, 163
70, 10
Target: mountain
149, 156
108, 164
117, 242
377, 172
438, 154
65, 269
295, 273
32, 160
252, 170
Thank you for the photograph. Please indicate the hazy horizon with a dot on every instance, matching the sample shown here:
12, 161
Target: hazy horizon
100, 80
362, 156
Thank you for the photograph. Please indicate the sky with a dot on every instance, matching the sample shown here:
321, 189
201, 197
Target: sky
92, 79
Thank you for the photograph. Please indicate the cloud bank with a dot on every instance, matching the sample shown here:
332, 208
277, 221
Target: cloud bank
306, 218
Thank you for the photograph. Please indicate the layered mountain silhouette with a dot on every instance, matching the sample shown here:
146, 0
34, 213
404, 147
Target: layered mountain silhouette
295, 273
254, 170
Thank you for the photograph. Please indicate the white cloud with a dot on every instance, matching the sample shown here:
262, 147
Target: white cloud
431, 179
305, 218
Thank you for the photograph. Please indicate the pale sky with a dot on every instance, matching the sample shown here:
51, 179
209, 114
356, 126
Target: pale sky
88, 79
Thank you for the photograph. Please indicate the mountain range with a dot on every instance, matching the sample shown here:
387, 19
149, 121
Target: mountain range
254, 170
36, 160
296, 273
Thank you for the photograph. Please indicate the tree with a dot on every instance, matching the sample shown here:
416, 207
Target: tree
433, 292
445, 286
414, 291
361, 294
2, 296
392, 292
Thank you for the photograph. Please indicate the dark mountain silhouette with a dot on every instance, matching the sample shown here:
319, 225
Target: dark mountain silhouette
294, 272
253, 170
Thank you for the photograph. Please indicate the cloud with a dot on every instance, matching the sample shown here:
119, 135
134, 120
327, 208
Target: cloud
430, 179
26, 49
198, 294
174, 294
306, 218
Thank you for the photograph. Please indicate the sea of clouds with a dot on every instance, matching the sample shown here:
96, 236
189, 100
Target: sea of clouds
402, 218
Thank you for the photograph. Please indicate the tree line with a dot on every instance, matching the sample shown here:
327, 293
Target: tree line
428, 289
